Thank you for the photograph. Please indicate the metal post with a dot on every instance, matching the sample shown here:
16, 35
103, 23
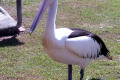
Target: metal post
19, 13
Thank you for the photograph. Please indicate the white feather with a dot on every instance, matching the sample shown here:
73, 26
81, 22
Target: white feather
83, 46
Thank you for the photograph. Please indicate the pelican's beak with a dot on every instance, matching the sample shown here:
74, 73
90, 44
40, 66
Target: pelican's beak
39, 14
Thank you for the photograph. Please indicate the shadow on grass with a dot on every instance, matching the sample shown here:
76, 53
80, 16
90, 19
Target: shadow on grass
12, 41
96, 79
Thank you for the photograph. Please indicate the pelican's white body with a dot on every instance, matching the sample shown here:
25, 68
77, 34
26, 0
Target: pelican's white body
69, 51
59, 47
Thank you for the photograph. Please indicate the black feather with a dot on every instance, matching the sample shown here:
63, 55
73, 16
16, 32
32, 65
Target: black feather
9, 31
80, 32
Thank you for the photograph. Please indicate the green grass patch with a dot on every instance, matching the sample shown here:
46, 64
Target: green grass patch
24, 58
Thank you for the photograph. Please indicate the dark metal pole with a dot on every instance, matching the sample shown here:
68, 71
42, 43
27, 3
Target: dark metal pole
19, 13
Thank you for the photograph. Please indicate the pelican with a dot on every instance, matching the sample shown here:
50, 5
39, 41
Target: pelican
70, 46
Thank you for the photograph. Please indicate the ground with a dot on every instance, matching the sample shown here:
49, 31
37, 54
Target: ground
23, 57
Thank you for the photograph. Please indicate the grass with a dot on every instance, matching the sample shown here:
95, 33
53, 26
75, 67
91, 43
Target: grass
24, 58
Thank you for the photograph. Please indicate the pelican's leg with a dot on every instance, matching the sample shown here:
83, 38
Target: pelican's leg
82, 74
69, 72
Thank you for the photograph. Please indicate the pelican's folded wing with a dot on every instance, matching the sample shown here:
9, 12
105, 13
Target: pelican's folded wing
83, 46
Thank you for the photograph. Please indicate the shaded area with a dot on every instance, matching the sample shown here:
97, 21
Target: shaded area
10, 41
97, 79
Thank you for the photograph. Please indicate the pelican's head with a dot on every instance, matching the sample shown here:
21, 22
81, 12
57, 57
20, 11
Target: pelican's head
41, 11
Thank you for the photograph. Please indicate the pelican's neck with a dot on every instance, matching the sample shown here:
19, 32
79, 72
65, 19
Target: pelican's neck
51, 17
